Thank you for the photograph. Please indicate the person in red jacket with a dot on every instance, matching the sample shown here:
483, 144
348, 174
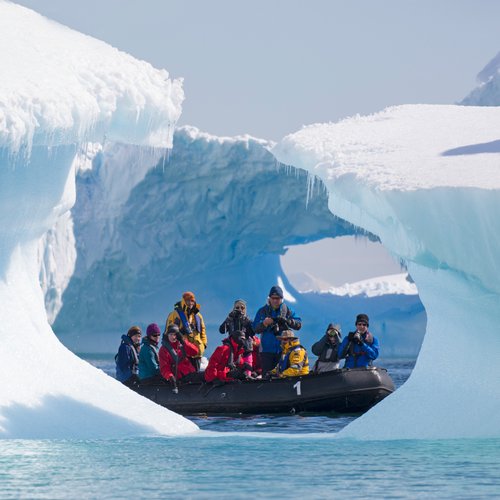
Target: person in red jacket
226, 362
175, 353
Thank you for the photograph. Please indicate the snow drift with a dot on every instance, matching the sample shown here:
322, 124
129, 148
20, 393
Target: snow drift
59, 90
426, 180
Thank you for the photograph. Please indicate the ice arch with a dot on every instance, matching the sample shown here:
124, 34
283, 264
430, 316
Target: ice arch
59, 90
215, 218
392, 173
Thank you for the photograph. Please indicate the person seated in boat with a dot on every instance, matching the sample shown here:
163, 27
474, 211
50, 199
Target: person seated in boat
127, 358
270, 321
293, 360
326, 348
360, 348
175, 354
237, 320
186, 315
226, 363
149, 364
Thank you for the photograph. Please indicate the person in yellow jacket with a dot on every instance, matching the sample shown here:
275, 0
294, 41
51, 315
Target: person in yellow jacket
186, 315
293, 361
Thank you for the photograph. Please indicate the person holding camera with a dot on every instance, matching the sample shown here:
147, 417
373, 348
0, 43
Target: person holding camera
175, 354
360, 347
326, 348
237, 320
226, 363
270, 320
186, 315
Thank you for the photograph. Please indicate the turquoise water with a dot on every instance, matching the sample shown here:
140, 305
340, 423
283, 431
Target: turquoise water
263, 456
247, 465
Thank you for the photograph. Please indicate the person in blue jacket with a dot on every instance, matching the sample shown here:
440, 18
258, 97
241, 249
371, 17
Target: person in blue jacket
270, 320
127, 359
149, 365
360, 347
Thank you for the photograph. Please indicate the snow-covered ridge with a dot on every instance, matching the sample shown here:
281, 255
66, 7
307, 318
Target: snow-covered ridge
394, 284
60, 89
62, 86
487, 93
393, 150
426, 180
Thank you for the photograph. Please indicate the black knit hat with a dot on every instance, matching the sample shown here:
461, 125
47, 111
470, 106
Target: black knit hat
362, 318
276, 290
173, 328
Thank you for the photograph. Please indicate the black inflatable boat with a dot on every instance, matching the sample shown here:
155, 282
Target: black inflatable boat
344, 391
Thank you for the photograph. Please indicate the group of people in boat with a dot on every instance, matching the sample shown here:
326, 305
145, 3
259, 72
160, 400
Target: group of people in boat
265, 347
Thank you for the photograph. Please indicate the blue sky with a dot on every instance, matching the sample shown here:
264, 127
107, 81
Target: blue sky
267, 67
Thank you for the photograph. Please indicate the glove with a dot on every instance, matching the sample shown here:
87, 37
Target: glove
357, 338
180, 337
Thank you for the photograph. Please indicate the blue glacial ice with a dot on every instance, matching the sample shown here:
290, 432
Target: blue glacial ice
388, 173
61, 89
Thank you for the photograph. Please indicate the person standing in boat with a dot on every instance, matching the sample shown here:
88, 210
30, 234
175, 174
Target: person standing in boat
127, 358
149, 364
270, 321
360, 348
226, 363
186, 315
293, 360
237, 320
326, 348
175, 355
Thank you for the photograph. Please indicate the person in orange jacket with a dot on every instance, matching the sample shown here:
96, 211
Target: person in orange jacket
186, 315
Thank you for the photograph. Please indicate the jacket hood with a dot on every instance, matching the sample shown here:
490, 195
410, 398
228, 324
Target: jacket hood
182, 304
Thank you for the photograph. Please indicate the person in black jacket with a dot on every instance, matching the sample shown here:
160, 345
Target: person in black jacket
326, 348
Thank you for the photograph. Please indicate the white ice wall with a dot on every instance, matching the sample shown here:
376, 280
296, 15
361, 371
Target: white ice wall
60, 89
426, 180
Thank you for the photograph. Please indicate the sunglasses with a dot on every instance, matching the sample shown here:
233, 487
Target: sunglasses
362, 323
239, 308
155, 335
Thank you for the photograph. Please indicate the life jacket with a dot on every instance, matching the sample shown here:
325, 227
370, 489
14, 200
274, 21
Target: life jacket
135, 362
173, 353
351, 353
185, 322
283, 311
284, 361
231, 362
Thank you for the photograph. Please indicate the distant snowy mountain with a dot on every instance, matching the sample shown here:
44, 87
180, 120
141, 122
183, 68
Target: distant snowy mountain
396, 284
487, 93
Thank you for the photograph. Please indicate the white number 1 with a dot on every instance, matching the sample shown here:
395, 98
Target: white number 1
297, 386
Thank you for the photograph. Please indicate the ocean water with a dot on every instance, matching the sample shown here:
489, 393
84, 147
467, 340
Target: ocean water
261, 456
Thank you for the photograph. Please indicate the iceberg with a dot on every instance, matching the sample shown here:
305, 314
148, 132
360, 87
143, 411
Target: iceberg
426, 180
214, 217
61, 90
